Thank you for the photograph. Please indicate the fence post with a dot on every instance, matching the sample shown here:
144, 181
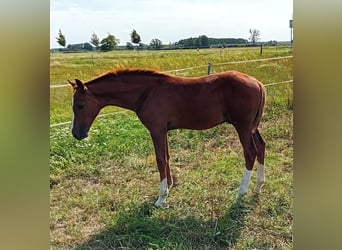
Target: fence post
261, 49
209, 67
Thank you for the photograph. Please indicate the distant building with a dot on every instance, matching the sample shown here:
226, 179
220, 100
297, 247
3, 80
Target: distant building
80, 47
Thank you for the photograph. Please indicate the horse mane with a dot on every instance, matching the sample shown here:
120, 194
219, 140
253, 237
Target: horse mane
133, 72
145, 72
127, 72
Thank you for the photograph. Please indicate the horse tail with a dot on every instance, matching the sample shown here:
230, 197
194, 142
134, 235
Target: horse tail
259, 113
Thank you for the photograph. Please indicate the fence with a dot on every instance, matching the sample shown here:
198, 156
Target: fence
209, 66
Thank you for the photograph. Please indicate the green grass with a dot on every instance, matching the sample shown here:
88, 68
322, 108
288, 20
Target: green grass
103, 188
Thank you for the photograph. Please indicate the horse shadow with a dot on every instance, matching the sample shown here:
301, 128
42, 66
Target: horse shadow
139, 229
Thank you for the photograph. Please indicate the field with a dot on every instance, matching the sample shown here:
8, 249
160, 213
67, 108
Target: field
102, 189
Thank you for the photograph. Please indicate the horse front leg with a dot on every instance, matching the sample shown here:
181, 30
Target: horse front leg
161, 149
168, 170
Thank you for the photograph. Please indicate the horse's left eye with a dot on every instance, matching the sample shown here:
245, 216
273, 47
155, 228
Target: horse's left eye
80, 106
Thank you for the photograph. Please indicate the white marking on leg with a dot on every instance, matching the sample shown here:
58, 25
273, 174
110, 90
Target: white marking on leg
260, 177
164, 191
244, 182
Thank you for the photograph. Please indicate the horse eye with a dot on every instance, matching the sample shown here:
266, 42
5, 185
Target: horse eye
80, 106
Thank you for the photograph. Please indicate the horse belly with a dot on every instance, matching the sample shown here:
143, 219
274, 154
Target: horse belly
197, 120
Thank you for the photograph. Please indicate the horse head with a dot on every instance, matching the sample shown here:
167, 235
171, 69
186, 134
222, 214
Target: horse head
85, 108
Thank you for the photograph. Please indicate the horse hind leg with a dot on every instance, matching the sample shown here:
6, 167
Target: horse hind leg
250, 154
260, 147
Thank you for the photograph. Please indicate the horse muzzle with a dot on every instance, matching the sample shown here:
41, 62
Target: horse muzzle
79, 134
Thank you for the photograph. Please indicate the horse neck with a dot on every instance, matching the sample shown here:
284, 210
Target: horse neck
125, 92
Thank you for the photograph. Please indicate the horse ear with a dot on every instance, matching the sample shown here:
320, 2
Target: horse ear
72, 83
80, 84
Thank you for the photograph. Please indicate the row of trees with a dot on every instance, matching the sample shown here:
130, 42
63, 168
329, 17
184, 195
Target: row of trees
110, 42
205, 42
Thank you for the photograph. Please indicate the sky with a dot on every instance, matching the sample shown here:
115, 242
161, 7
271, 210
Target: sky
169, 20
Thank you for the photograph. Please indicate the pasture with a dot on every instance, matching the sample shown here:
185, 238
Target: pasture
102, 189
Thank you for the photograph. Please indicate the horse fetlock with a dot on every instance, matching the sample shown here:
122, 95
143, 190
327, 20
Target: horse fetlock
242, 190
163, 193
244, 183
161, 199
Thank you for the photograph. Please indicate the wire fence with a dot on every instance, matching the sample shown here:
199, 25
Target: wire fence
184, 69
203, 66
120, 112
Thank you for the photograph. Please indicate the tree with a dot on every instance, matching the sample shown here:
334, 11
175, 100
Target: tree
95, 40
254, 35
135, 37
156, 43
203, 41
108, 43
61, 39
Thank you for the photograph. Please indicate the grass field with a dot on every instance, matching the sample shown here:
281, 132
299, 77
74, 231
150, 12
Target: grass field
102, 189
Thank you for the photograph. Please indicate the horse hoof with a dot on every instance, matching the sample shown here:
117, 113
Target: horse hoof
159, 203
240, 196
258, 188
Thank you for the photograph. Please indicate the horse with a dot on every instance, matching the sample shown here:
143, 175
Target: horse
166, 102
